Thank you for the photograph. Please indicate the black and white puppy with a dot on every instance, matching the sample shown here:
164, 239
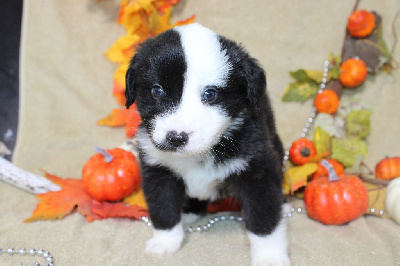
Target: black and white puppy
207, 131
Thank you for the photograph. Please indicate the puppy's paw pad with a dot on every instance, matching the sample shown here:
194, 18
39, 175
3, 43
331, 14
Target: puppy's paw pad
160, 246
271, 261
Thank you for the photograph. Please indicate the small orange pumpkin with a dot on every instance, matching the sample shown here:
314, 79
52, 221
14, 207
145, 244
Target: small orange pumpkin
361, 23
326, 102
322, 171
336, 200
302, 151
111, 175
388, 168
353, 72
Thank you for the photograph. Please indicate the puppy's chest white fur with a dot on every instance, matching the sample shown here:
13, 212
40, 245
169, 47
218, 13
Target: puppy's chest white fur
203, 178
199, 173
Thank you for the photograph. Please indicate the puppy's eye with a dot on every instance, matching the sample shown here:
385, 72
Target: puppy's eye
157, 91
210, 95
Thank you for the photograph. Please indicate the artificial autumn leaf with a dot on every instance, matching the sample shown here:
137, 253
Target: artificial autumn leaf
306, 85
226, 205
122, 49
184, 21
332, 125
119, 117
322, 140
347, 150
376, 195
159, 22
358, 123
58, 204
319, 156
163, 5
119, 93
106, 209
136, 198
71, 196
296, 177
299, 92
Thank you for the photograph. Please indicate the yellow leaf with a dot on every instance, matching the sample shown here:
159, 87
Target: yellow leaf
136, 198
296, 177
122, 50
160, 22
322, 140
376, 195
119, 74
317, 75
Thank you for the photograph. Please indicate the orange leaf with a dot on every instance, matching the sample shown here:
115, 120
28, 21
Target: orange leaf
117, 118
184, 22
163, 5
319, 157
58, 204
119, 93
117, 209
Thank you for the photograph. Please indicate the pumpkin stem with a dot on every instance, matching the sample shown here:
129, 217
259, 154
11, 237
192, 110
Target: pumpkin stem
332, 174
305, 152
107, 157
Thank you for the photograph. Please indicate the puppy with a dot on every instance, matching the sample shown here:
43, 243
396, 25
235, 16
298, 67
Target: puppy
207, 132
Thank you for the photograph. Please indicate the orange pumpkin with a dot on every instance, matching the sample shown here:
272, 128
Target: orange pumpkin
336, 200
353, 72
326, 102
111, 175
302, 151
388, 168
361, 23
322, 171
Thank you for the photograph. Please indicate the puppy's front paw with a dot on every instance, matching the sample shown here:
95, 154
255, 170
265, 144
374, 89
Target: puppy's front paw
165, 241
269, 259
270, 250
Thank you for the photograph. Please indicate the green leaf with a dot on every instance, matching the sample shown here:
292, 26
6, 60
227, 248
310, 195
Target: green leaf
358, 123
299, 75
347, 150
299, 92
322, 140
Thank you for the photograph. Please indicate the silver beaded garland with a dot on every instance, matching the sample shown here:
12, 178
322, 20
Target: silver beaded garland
49, 259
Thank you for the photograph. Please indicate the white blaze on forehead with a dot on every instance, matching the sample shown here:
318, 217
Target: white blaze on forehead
206, 65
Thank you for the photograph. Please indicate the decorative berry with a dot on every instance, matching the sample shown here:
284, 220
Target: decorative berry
326, 102
353, 72
361, 23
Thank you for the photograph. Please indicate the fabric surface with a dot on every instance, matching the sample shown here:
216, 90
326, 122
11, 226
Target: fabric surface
65, 86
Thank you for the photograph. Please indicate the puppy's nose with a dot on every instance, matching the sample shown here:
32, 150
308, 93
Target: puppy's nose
176, 139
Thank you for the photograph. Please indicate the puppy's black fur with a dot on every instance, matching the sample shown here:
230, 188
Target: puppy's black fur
258, 188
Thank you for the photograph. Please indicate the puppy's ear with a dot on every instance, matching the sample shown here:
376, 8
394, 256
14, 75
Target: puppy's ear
129, 88
256, 83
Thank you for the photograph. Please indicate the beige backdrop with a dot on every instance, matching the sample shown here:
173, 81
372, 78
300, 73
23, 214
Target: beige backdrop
66, 86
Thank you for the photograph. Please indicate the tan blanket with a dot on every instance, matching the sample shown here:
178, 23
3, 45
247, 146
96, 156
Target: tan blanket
66, 86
